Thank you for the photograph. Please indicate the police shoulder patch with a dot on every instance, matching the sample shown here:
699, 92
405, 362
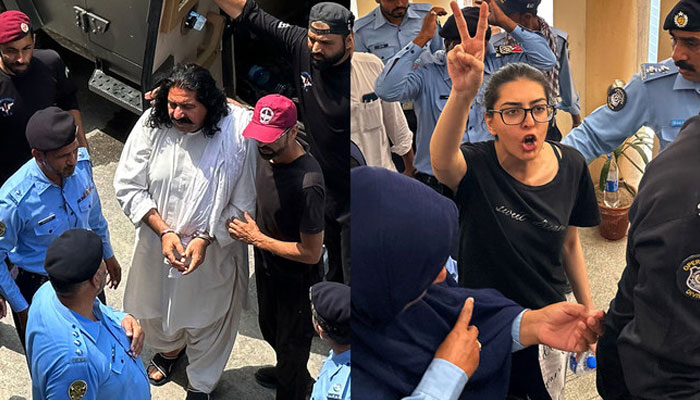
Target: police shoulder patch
651, 71
688, 277
77, 389
617, 98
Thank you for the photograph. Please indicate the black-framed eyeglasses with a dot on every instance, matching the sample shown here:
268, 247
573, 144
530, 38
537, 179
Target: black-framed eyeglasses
516, 115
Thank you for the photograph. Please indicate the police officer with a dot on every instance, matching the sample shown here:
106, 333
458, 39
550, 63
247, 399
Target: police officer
393, 25
417, 75
524, 12
652, 330
48, 195
77, 346
330, 311
30, 80
662, 96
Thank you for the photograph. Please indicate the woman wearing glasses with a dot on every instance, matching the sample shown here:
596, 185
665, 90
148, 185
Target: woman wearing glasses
520, 197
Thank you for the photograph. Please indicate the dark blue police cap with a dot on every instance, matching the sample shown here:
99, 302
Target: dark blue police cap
50, 129
685, 16
74, 256
330, 303
449, 30
518, 6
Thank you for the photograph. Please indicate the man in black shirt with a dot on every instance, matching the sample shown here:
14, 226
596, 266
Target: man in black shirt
650, 348
30, 80
288, 242
320, 58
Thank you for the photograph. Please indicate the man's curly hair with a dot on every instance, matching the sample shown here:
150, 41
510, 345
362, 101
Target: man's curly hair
199, 80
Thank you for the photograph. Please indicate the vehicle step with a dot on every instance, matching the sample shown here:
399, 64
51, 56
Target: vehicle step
116, 91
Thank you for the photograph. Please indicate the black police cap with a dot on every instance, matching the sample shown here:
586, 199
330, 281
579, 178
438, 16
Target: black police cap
518, 6
339, 19
685, 16
449, 30
331, 300
50, 129
74, 256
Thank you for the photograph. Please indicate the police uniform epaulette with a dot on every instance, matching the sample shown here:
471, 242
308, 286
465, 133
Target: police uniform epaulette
560, 33
651, 71
83, 154
20, 190
366, 20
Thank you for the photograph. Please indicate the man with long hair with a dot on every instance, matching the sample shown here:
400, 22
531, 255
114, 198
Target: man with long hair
184, 171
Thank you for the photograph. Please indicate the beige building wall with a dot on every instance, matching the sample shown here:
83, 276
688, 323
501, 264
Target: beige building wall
664, 38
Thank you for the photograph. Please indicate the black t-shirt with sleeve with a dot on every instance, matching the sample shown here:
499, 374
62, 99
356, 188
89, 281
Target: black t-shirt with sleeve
511, 233
44, 84
290, 201
324, 97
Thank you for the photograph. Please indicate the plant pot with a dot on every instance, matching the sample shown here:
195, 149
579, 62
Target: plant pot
613, 221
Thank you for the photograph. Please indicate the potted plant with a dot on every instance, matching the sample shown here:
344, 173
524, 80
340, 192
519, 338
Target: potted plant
614, 220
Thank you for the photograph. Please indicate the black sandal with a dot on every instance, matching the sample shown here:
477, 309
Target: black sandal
164, 365
193, 394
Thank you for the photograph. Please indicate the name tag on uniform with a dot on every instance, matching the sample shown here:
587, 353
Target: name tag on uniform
380, 46
677, 122
47, 219
444, 96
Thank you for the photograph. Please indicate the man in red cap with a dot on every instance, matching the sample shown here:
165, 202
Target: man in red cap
288, 242
29, 81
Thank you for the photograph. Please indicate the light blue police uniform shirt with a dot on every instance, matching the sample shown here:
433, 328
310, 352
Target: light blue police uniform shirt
417, 75
658, 97
374, 34
443, 380
333, 381
66, 350
34, 211
569, 100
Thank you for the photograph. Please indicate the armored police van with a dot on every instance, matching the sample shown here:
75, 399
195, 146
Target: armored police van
133, 42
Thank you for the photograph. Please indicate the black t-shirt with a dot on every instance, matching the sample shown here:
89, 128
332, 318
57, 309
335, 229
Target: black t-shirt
44, 84
511, 233
325, 102
290, 201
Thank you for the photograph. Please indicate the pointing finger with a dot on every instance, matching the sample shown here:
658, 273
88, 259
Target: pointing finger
466, 314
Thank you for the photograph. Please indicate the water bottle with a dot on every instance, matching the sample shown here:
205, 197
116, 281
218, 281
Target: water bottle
611, 197
584, 364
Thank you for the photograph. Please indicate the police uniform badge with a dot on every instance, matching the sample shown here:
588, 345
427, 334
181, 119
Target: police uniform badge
617, 98
3, 228
77, 390
504, 50
688, 277
680, 19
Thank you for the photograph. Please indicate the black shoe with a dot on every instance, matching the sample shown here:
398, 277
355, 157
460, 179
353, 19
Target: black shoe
267, 377
196, 395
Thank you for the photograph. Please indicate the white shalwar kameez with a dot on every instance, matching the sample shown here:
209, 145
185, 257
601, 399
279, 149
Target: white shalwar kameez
196, 183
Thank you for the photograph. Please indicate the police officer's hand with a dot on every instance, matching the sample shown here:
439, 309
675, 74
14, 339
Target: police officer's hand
246, 231
115, 272
497, 17
461, 347
195, 252
3, 308
427, 31
151, 95
465, 62
173, 250
575, 120
134, 333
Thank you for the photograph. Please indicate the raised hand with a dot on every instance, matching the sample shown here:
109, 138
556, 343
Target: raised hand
427, 30
465, 62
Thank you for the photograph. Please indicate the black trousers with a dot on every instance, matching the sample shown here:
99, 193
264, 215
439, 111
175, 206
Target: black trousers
526, 376
285, 322
432, 181
337, 241
29, 283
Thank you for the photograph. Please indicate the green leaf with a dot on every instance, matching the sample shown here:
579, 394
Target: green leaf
641, 152
604, 174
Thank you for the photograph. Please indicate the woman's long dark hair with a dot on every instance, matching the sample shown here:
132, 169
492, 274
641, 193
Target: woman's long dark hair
197, 79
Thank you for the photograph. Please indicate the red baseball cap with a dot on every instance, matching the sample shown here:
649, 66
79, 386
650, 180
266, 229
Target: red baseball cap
273, 115
14, 25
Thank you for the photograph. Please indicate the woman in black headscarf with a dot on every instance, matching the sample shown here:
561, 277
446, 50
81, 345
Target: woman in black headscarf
400, 239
